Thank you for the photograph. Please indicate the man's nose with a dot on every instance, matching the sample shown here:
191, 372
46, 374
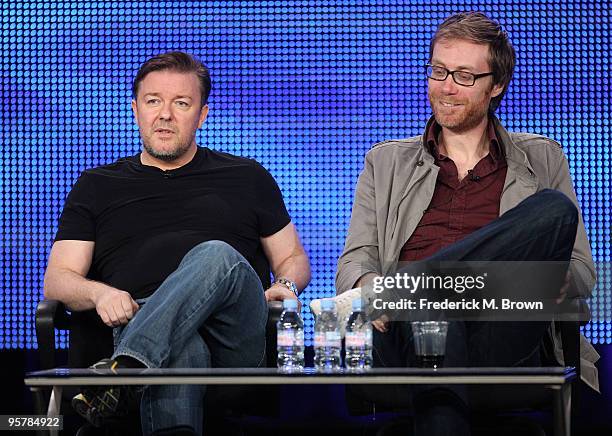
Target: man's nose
449, 86
165, 112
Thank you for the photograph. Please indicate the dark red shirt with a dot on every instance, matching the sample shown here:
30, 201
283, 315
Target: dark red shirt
458, 208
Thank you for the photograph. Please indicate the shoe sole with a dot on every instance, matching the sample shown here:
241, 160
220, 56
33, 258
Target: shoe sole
97, 405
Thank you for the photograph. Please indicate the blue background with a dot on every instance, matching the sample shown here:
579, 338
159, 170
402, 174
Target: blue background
303, 87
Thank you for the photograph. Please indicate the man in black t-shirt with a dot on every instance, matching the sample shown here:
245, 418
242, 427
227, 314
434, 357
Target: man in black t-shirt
172, 247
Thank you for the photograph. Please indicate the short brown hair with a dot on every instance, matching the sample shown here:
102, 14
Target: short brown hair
175, 61
476, 27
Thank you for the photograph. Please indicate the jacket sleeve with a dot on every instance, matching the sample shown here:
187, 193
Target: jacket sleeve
582, 268
360, 254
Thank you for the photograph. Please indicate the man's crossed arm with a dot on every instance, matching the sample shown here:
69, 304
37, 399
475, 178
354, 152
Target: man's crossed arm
65, 280
70, 260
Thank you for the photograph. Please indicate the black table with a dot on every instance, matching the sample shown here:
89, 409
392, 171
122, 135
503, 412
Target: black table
558, 379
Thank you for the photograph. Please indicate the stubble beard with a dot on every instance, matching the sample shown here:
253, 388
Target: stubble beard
178, 151
471, 117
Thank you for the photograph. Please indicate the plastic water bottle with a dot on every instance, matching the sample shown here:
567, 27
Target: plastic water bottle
327, 342
358, 339
290, 338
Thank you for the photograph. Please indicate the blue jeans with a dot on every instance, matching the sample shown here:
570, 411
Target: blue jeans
210, 312
541, 228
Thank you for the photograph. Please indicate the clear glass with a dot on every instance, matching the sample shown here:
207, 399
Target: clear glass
429, 342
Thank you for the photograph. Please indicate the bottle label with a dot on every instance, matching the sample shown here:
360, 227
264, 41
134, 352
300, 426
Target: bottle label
327, 339
289, 339
355, 339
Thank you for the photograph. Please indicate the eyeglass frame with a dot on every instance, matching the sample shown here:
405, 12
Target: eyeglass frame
452, 74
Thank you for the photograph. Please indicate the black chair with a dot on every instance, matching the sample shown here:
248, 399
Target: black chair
91, 340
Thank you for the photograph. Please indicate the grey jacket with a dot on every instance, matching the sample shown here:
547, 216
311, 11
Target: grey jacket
396, 187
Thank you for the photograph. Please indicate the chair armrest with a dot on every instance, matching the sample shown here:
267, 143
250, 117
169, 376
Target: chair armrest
275, 308
50, 315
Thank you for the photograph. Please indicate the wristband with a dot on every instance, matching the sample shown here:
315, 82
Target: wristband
288, 284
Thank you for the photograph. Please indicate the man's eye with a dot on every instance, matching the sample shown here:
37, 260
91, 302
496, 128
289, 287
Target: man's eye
462, 75
438, 72
182, 103
153, 101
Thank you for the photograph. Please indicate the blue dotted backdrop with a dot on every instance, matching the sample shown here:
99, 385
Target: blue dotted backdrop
303, 87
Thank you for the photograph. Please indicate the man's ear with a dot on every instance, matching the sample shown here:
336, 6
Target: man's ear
134, 108
497, 89
203, 115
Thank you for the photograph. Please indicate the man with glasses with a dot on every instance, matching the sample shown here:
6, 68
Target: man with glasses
466, 189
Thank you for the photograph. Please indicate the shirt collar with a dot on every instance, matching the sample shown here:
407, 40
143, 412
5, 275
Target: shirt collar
495, 149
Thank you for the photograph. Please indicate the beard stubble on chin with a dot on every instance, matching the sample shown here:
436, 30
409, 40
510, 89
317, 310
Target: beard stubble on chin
167, 156
471, 119
473, 113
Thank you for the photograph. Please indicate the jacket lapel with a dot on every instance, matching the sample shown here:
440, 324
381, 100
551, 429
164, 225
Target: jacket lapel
406, 210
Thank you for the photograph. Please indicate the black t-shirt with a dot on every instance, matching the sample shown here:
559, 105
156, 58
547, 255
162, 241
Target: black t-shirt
144, 220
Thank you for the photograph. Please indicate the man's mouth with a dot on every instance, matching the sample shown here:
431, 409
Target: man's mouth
164, 131
449, 104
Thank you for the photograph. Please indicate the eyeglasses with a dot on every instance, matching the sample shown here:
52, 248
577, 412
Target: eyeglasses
463, 78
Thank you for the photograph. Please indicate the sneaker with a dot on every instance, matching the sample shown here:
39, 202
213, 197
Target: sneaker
97, 404
344, 306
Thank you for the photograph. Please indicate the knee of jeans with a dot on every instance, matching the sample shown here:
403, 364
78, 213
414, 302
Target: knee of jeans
556, 203
220, 249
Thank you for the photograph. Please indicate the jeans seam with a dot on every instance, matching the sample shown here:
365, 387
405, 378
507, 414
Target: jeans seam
186, 318
189, 316
134, 355
212, 291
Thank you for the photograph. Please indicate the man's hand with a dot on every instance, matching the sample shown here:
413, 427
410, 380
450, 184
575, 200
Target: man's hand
115, 307
66, 281
278, 292
381, 324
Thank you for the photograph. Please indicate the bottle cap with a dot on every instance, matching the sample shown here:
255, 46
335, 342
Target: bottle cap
357, 304
328, 304
290, 303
